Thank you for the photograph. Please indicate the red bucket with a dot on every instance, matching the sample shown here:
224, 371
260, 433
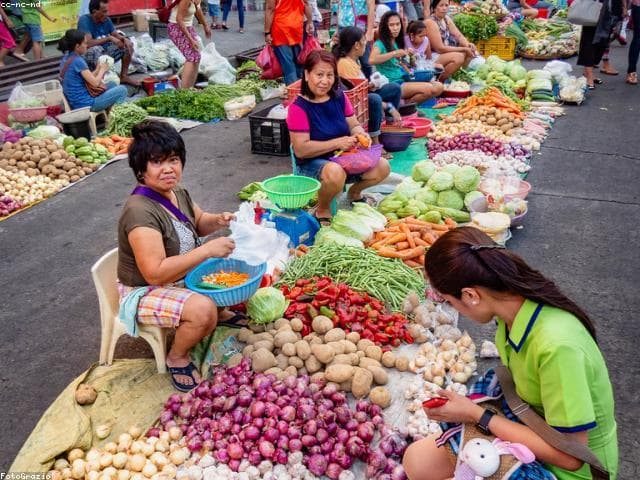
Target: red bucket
148, 85
543, 13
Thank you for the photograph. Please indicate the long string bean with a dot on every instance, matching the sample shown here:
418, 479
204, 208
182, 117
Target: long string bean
389, 280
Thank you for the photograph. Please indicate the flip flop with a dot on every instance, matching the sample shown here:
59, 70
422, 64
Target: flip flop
186, 371
365, 199
598, 81
20, 56
610, 72
238, 320
324, 221
632, 79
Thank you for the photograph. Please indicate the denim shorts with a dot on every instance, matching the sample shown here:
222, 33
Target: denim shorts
35, 32
313, 169
214, 10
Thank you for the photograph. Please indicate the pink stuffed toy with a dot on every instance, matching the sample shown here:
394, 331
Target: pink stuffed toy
480, 458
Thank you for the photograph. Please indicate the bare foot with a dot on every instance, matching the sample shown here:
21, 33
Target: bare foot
130, 81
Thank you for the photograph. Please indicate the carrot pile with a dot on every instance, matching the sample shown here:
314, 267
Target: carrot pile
115, 144
226, 279
408, 239
492, 97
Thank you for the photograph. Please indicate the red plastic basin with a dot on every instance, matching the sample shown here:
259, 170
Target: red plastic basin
421, 125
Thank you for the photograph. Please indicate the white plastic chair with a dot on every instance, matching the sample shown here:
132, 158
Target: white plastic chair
92, 117
104, 273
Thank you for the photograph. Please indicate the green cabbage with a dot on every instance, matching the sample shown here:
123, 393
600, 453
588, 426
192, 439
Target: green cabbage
496, 64
426, 195
466, 179
266, 305
422, 171
389, 206
391, 216
431, 216
329, 235
409, 187
351, 225
471, 197
375, 219
451, 199
516, 71
440, 181
451, 168
398, 196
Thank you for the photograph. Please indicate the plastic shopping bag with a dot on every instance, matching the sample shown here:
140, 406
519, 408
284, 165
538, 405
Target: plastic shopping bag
215, 67
269, 64
310, 44
256, 244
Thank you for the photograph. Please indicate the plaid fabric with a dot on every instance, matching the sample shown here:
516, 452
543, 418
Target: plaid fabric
487, 389
162, 306
110, 49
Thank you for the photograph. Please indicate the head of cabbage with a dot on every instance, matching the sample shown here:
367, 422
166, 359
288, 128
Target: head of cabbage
422, 171
440, 181
451, 199
466, 179
266, 305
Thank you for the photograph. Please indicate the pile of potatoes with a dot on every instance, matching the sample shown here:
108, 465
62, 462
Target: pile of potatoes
132, 457
44, 157
327, 353
494, 117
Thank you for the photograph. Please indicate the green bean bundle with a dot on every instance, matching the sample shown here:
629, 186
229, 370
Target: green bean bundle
388, 280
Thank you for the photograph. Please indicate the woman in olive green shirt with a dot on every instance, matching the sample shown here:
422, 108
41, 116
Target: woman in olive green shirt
544, 339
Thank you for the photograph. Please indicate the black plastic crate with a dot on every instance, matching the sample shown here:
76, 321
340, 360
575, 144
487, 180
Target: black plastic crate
158, 30
269, 136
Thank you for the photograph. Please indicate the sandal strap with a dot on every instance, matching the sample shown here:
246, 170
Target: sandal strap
188, 370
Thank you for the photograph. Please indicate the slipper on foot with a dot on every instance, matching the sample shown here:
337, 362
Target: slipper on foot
184, 371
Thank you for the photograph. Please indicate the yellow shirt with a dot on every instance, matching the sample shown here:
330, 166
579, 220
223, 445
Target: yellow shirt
349, 68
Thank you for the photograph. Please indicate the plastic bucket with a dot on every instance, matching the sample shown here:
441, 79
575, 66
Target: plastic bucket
76, 122
543, 13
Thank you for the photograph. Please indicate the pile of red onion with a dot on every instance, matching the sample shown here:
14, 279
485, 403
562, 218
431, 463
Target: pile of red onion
240, 415
479, 142
8, 205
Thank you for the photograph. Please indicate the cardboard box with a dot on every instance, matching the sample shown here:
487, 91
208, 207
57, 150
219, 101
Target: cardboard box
141, 19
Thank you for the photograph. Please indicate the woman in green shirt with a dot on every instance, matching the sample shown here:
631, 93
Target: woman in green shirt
387, 54
545, 340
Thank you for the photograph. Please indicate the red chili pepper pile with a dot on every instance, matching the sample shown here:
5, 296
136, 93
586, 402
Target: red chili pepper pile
352, 311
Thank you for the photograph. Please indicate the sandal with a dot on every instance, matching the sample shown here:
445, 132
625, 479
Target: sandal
610, 72
224, 27
239, 320
323, 221
632, 78
368, 199
598, 81
187, 372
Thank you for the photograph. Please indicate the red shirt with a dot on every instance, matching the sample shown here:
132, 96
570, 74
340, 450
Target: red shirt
288, 23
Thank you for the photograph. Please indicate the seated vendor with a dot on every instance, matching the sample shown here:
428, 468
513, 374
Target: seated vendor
103, 39
350, 47
390, 58
75, 76
444, 36
321, 120
159, 242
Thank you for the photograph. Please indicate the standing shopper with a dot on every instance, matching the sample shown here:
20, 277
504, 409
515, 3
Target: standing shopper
548, 344
214, 13
7, 43
283, 30
33, 28
634, 48
361, 14
226, 8
183, 34
595, 40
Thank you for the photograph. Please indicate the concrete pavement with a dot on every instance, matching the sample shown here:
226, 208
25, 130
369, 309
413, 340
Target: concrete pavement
581, 230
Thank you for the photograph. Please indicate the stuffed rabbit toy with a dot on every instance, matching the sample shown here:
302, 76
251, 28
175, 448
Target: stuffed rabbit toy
480, 458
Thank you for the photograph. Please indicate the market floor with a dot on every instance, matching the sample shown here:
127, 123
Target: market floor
582, 230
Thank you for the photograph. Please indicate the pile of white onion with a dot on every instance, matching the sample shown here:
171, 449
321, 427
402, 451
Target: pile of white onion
133, 457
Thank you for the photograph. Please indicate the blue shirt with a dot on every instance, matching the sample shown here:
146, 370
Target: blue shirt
96, 30
73, 85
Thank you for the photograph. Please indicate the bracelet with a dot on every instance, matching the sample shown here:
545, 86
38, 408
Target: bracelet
267, 33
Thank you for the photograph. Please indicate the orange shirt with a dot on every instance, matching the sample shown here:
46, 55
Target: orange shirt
288, 23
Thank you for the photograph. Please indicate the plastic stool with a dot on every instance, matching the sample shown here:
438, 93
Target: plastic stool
104, 277
92, 117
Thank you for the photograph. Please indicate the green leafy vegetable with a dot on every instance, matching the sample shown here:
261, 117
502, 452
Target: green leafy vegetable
329, 235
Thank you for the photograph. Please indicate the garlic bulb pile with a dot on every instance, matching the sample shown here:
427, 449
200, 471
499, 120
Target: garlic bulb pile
456, 360
206, 468
133, 457
419, 425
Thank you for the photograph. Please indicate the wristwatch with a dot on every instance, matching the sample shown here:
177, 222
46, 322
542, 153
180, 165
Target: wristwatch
483, 424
